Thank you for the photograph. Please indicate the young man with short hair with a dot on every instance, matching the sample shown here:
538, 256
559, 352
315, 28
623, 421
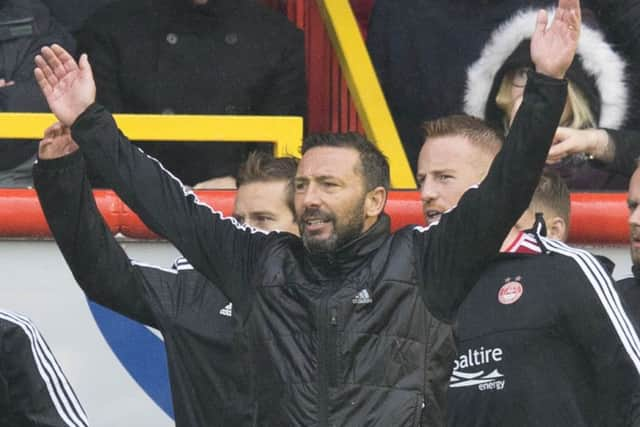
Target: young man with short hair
531, 334
205, 341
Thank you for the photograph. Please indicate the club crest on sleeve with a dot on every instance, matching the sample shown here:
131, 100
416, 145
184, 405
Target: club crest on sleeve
511, 291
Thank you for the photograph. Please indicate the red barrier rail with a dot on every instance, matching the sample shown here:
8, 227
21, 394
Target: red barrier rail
595, 218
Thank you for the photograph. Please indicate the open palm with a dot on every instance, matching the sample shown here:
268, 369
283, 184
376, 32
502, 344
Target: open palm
553, 48
67, 86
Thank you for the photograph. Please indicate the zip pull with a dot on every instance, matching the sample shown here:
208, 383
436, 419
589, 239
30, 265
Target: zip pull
333, 321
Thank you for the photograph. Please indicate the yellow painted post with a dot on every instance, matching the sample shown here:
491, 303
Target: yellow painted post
284, 131
364, 87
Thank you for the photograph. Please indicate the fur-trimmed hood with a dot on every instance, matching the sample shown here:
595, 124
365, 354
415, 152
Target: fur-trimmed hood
605, 69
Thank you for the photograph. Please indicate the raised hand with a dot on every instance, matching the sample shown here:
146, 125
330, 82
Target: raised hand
553, 48
57, 142
67, 86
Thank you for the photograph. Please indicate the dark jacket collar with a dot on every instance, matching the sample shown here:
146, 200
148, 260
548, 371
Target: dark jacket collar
636, 271
353, 254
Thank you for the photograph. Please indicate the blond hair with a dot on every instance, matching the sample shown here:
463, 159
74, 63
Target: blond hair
577, 114
481, 135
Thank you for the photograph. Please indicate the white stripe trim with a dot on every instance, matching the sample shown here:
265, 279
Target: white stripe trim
62, 396
155, 267
189, 193
422, 229
182, 263
529, 245
604, 288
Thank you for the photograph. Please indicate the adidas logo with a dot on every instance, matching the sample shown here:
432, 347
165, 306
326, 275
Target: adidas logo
362, 297
227, 310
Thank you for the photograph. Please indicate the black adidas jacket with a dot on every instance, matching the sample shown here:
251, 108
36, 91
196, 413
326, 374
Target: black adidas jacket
342, 340
33, 390
205, 352
544, 341
629, 290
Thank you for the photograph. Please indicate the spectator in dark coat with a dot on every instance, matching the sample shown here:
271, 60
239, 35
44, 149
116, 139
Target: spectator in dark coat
196, 57
25, 26
73, 13
422, 49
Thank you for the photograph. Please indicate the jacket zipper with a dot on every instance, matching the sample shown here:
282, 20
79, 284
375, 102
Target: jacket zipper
333, 347
328, 353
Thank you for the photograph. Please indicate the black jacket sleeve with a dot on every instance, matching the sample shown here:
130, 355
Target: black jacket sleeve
36, 392
221, 249
595, 317
100, 266
455, 251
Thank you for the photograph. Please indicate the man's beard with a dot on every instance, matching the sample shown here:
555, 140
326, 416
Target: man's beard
340, 235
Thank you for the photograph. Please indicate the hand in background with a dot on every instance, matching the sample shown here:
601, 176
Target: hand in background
57, 142
568, 141
6, 83
67, 86
553, 48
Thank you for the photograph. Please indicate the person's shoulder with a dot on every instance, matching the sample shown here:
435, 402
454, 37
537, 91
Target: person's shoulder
575, 265
120, 13
15, 325
626, 283
265, 19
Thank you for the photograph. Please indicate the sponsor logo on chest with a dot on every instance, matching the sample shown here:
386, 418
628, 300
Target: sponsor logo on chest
475, 360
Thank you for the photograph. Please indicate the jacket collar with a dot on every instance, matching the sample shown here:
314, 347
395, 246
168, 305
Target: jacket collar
636, 271
351, 255
530, 241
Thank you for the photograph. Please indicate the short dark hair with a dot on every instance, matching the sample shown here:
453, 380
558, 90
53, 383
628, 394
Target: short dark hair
474, 129
373, 167
261, 167
552, 194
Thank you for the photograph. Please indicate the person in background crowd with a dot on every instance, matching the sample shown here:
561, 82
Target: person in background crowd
422, 51
331, 308
73, 13
599, 92
25, 26
204, 338
196, 57
531, 333
33, 390
553, 200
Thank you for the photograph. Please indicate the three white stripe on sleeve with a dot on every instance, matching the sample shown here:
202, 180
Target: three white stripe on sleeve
603, 286
62, 396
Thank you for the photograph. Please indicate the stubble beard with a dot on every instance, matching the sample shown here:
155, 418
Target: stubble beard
339, 237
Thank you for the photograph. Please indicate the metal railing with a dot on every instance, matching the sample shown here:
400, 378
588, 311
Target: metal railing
285, 132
